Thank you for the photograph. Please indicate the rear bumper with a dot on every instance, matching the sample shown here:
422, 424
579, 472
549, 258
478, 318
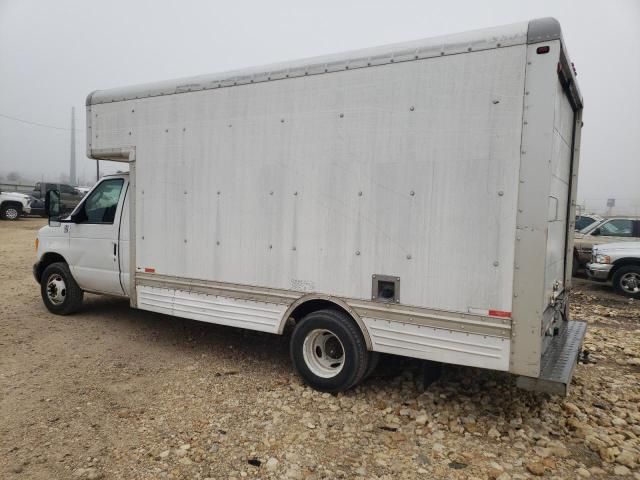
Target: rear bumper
598, 271
559, 361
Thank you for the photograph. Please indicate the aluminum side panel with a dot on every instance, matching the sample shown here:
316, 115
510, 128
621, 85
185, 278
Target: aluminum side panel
439, 344
316, 183
233, 312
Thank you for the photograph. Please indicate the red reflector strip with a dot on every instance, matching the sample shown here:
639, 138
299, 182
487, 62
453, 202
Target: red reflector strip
499, 313
544, 49
149, 270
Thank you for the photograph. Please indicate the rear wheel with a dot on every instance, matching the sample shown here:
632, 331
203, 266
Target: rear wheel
60, 292
328, 351
626, 281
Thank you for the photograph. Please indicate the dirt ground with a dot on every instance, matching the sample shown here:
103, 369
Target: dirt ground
116, 393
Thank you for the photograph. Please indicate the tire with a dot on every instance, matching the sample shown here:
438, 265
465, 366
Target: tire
328, 351
10, 212
60, 292
626, 281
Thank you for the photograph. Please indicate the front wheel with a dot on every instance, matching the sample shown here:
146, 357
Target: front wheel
10, 212
626, 281
329, 351
60, 292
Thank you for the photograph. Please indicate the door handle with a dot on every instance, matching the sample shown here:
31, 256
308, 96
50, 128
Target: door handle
115, 246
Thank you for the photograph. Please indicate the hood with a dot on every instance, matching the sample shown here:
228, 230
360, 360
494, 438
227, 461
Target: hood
16, 195
608, 247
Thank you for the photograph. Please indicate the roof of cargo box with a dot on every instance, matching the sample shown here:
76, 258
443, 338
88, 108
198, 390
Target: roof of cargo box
534, 31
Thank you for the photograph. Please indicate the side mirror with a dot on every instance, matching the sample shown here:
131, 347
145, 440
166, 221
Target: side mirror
52, 207
596, 232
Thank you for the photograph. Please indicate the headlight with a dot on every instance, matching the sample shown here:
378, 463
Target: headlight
603, 259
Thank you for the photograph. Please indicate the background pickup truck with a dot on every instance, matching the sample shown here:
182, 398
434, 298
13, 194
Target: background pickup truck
608, 230
69, 196
14, 204
618, 263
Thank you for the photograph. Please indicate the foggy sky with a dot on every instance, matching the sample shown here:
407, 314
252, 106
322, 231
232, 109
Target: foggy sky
52, 54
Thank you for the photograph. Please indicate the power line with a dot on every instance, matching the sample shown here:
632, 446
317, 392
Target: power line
44, 125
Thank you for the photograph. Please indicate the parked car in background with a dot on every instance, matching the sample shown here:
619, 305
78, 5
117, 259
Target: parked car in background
69, 196
607, 230
583, 221
37, 206
13, 205
618, 263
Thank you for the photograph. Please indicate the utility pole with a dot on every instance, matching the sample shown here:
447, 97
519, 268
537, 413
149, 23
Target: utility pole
72, 166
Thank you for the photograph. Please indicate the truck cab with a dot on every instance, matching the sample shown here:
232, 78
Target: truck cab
87, 250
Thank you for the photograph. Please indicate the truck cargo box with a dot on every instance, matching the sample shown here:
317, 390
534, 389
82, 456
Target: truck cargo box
425, 189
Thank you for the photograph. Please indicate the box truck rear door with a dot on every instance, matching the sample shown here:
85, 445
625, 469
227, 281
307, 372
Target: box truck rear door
559, 193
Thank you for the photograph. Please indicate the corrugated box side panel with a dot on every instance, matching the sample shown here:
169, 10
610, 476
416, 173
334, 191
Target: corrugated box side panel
317, 183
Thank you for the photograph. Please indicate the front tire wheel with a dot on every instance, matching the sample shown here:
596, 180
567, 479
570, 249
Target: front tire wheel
626, 281
10, 212
328, 351
60, 292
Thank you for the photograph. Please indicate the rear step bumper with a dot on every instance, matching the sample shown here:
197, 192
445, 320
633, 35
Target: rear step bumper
558, 362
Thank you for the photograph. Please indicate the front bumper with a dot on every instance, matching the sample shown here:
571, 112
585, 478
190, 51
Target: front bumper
36, 271
599, 271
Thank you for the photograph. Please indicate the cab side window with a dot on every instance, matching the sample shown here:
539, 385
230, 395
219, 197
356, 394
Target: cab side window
101, 205
617, 228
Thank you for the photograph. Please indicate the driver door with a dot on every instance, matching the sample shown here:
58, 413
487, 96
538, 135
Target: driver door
93, 238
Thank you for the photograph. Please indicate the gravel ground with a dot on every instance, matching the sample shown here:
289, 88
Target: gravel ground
115, 393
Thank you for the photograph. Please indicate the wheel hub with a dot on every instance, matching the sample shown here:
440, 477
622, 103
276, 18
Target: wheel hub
323, 353
11, 213
630, 282
56, 289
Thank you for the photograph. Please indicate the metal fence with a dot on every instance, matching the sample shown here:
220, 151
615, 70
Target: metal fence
16, 187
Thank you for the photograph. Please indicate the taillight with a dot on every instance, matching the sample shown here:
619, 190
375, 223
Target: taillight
541, 50
37, 243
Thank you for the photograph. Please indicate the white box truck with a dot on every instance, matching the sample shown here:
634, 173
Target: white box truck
414, 199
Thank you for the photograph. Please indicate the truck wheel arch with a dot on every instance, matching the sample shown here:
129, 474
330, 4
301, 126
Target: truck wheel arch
313, 302
46, 260
623, 262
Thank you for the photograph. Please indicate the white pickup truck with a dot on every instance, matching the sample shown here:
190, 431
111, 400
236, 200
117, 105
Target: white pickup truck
618, 263
13, 205
330, 192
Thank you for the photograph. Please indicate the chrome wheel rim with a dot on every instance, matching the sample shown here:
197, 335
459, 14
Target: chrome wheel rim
630, 282
11, 213
56, 289
323, 353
